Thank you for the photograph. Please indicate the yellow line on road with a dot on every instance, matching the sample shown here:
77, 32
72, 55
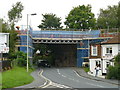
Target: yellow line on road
46, 80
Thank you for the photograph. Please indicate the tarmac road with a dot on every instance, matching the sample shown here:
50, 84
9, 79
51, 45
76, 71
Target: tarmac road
68, 78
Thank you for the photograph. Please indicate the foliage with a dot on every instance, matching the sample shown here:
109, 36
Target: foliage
21, 58
14, 16
114, 71
16, 77
50, 21
86, 69
12, 38
44, 53
5, 26
108, 18
12, 42
117, 59
15, 13
118, 15
80, 17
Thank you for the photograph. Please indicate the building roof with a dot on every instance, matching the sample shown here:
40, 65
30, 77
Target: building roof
114, 40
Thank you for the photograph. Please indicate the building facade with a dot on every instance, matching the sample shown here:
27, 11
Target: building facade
103, 54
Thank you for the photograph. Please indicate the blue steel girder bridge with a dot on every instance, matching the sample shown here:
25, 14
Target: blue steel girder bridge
65, 37
68, 45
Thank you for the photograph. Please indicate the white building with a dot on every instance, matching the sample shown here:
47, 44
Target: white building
103, 54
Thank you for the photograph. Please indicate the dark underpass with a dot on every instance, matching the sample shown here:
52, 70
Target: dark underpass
65, 55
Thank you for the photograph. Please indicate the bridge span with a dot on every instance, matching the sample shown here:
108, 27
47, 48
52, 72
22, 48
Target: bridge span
80, 40
66, 37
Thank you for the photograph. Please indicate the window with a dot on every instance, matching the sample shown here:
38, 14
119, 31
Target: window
94, 50
109, 50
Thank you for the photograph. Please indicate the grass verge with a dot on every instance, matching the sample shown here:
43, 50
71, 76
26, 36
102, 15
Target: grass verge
86, 69
16, 77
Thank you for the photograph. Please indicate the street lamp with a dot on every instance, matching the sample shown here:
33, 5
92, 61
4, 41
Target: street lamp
27, 38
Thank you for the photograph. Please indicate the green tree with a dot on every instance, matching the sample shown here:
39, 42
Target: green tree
21, 58
4, 26
15, 14
12, 38
108, 18
50, 21
80, 17
114, 71
118, 15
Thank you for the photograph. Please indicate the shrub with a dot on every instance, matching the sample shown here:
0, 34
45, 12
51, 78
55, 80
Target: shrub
114, 72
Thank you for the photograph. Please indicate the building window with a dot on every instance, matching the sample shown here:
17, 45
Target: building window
94, 50
109, 50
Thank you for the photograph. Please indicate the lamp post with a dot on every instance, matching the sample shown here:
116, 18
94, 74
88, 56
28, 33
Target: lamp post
27, 39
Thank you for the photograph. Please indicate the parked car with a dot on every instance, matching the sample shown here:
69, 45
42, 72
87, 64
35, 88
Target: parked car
43, 63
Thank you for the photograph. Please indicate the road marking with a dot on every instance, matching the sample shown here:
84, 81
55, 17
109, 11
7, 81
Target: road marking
95, 85
46, 80
83, 77
58, 71
78, 74
63, 76
59, 85
51, 82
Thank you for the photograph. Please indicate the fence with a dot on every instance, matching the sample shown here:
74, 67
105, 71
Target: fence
5, 65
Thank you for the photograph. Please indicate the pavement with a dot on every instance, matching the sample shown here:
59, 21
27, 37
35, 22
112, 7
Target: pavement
40, 81
82, 73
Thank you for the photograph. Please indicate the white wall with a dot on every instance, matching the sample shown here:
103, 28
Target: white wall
93, 65
119, 48
114, 49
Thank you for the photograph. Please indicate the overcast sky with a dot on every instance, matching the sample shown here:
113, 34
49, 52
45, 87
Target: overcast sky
59, 7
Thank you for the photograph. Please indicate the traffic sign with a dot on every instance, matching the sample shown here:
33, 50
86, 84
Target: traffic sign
4, 42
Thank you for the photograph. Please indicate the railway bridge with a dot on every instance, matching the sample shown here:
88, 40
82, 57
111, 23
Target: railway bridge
71, 48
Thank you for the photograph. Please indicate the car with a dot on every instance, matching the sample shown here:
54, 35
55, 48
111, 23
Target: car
43, 63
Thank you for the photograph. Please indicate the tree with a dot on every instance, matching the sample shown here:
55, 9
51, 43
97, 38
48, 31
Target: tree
118, 15
50, 21
108, 18
114, 71
80, 17
4, 26
15, 14
21, 58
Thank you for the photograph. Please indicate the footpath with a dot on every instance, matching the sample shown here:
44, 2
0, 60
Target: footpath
82, 73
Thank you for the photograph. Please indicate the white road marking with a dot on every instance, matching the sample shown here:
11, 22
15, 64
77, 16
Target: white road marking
59, 85
58, 71
95, 85
83, 77
45, 85
63, 76
78, 74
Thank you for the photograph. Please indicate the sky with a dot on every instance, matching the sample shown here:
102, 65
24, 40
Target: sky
59, 7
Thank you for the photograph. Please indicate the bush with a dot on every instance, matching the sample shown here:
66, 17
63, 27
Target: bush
111, 72
114, 72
